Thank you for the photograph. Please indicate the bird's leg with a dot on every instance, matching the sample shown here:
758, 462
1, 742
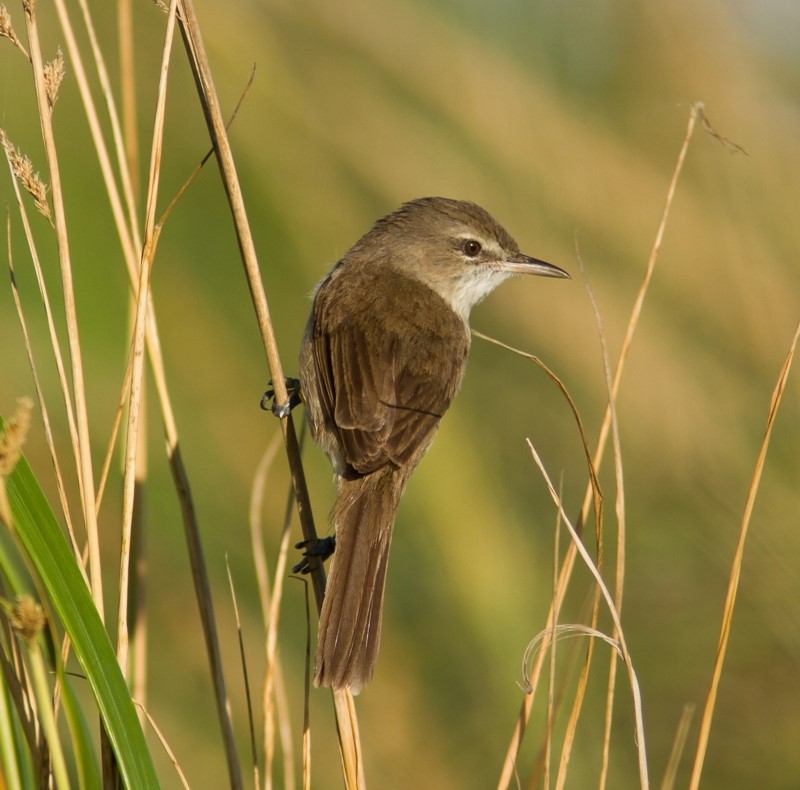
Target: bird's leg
281, 410
320, 549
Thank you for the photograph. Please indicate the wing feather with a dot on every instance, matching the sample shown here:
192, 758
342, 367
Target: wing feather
387, 368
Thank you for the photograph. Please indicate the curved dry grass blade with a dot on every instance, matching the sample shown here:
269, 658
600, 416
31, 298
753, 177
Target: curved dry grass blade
736, 568
62, 494
256, 536
265, 597
272, 663
272, 618
637, 702
164, 744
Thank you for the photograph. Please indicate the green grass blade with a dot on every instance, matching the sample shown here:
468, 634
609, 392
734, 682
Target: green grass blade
41, 536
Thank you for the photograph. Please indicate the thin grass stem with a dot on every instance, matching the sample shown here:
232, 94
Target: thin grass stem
736, 568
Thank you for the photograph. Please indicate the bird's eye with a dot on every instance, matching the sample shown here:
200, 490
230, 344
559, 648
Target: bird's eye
471, 248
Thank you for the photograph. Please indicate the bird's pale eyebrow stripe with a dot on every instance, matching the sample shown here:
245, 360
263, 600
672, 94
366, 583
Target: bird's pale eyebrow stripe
490, 245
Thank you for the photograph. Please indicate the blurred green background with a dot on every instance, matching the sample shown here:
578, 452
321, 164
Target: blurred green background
564, 119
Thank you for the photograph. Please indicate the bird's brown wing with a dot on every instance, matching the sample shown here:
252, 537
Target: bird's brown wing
385, 383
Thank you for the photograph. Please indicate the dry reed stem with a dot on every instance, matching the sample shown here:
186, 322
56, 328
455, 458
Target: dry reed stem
76, 358
127, 80
551, 707
137, 372
577, 704
347, 726
515, 742
245, 676
736, 568
129, 134
306, 760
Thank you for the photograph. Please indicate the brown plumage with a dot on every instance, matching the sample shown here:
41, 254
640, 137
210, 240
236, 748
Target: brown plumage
383, 355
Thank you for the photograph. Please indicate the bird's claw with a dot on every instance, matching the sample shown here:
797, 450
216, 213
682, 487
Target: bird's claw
319, 550
281, 410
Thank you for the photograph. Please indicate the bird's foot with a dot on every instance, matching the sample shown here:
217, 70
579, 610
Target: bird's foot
281, 410
320, 550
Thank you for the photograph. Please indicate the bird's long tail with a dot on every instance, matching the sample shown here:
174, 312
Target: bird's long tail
350, 622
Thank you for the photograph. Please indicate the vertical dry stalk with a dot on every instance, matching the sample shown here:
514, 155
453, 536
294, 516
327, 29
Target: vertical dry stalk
128, 90
619, 576
736, 568
211, 107
76, 359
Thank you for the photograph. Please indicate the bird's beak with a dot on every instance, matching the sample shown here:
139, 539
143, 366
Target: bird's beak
523, 264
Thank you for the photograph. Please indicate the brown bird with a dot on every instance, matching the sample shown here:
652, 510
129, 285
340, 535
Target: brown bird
383, 355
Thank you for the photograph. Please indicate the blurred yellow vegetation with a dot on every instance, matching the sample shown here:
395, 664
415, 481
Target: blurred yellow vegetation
564, 122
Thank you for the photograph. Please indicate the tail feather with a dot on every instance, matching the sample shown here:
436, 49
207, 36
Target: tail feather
350, 622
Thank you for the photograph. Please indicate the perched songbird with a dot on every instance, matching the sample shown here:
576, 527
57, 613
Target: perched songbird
382, 357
